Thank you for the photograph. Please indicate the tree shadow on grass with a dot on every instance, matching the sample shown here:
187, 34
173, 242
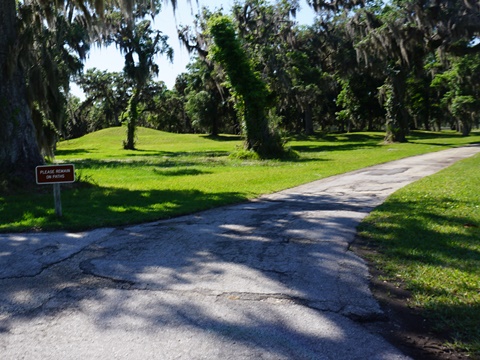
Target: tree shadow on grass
181, 172
170, 161
402, 221
428, 135
333, 147
408, 235
347, 142
469, 143
350, 137
204, 153
222, 137
132, 156
89, 206
74, 152
426, 138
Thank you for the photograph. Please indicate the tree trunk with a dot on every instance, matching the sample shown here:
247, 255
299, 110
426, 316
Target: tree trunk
397, 124
465, 127
215, 120
19, 151
308, 120
129, 144
427, 117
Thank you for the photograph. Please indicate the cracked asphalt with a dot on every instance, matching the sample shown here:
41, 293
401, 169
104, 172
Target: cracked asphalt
272, 278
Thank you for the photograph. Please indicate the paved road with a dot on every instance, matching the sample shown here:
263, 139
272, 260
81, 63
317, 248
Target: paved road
268, 279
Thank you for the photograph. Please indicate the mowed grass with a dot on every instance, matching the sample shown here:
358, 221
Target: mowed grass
174, 174
427, 237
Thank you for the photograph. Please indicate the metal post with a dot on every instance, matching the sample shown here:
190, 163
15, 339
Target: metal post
58, 200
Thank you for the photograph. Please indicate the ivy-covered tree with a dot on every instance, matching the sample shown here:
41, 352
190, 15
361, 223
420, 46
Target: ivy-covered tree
252, 92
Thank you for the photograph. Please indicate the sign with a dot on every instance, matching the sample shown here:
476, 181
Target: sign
55, 174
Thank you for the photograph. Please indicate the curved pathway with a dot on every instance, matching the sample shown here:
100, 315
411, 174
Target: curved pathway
268, 279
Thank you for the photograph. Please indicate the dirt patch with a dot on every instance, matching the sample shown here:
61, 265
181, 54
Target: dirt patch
404, 327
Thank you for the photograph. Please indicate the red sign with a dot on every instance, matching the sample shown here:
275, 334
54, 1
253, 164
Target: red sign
55, 174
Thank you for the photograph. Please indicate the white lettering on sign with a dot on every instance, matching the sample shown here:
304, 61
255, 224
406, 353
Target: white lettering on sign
50, 174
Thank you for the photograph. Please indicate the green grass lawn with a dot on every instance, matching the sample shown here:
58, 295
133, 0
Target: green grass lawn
174, 174
428, 238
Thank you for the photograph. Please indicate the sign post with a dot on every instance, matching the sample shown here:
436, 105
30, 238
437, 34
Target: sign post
56, 175
57, 198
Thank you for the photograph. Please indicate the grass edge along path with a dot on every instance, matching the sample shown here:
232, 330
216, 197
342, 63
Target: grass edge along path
426, 239
176, 174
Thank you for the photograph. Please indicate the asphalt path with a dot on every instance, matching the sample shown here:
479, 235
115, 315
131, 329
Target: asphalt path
271, 278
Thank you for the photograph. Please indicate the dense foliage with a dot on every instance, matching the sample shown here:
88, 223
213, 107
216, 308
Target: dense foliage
360, 66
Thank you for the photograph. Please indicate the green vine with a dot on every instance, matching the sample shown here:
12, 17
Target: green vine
248, 85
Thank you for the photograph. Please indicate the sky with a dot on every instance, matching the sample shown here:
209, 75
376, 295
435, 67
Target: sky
110, 59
